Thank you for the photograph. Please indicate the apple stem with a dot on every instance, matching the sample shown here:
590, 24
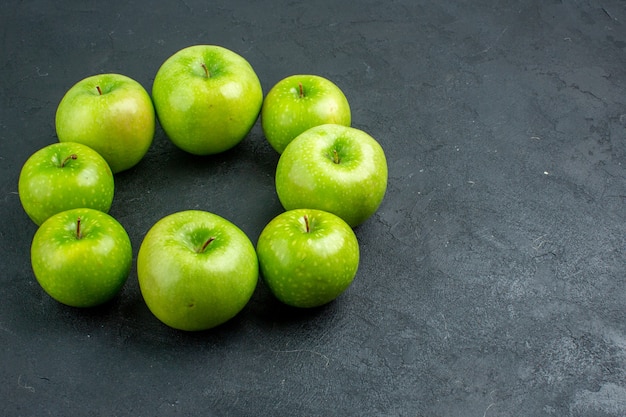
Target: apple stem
78, 231
203, 248
306, 223
99, 89
336, 156
66, 160
301, 90
206, 70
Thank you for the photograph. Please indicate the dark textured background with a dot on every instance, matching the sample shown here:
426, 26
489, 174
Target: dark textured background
492, 279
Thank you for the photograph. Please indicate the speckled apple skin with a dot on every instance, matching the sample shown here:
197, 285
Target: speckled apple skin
47, 187
300, 102
83, 271
307, 266
307, 175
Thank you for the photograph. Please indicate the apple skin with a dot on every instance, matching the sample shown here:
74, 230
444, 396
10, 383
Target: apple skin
207, 98
190, 288
353, 188
111, 113
300, 102
307, 257
62, 176
83, 271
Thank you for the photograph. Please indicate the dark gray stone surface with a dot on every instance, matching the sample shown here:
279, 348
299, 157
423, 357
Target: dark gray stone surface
493, 277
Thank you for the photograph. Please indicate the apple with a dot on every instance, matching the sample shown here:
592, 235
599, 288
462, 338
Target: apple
111, 113
207, 98
62, 176
298, 103
307, 257
196, 270
81, 257
334, 168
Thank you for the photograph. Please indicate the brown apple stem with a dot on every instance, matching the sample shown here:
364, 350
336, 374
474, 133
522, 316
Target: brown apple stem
306, 223
301, 90
99, 89
206, 70
66, 160
336, 156
78, 231
203, 248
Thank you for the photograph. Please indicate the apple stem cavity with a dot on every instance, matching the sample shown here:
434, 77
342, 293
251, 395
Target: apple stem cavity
206, 244
79, 234
68, 159
206, 70
99, 90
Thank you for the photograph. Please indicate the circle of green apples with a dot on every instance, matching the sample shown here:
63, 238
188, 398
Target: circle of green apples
197, 270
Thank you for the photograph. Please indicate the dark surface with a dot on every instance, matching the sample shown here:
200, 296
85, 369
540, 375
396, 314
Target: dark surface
492, 278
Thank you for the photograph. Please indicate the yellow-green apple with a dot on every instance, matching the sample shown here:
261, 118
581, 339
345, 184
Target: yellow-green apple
300, 102
207, 98
81, 257
307, 257
196, 270
111, 113
62, 176
333, 168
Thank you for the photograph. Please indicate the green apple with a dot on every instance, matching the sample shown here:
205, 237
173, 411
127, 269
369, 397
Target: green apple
196, 270
307, 257
63, 176
81, 257
207, 98
111, 113
298, 103
333, 168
